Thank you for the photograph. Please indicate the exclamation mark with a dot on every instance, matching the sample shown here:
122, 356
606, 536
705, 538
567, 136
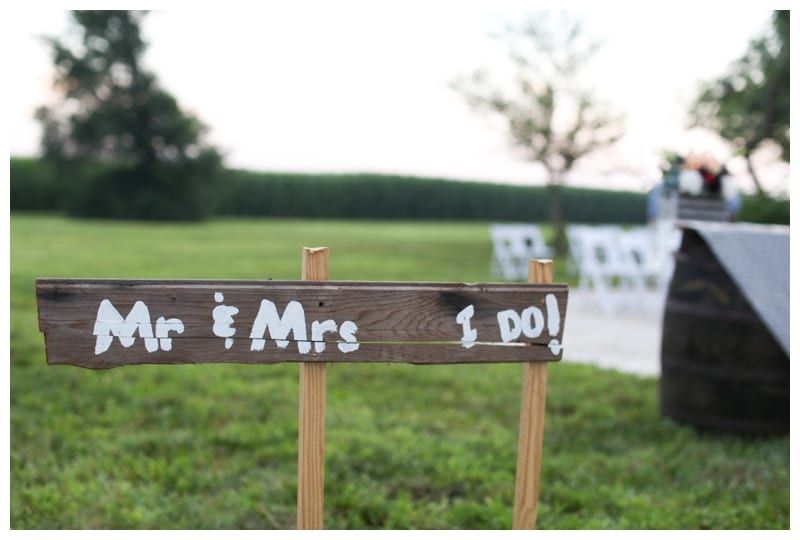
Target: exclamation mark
553, 323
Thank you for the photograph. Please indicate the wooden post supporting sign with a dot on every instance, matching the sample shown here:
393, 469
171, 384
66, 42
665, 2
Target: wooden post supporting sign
531, 423
99, 324
311, 422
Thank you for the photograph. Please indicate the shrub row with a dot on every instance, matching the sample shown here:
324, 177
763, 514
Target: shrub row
37, 185
763, 209
372, 196
34, 186
173, 192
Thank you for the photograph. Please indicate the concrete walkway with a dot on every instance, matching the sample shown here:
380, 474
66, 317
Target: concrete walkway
627, 342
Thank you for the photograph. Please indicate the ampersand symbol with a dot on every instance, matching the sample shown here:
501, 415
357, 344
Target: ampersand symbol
223, 320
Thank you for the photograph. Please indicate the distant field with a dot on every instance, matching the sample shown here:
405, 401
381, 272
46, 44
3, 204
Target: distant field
214, 446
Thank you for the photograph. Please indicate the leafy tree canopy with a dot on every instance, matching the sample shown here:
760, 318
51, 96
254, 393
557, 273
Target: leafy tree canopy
750, 103
114, 111
550, 115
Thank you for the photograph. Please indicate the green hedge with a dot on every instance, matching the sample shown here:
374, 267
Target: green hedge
40, 185
167, 191
762, 209
35, 185
373, 196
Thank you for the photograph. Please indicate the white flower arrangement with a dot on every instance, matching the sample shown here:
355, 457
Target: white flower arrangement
690, 182
698, 176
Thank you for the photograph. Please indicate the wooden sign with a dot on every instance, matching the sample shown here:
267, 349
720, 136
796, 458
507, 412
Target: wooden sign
108, 323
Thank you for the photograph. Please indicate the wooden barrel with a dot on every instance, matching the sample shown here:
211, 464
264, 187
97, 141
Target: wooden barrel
721, 368
703, 208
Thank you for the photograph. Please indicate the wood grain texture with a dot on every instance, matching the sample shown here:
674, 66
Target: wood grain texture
311, 421
383, 311
531, 425
394, 320
61, 350
311, 447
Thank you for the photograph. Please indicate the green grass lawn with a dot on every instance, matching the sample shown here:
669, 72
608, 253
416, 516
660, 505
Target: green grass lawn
215, 446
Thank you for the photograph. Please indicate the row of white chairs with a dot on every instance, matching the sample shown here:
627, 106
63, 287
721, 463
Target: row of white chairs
624, 269
618, 269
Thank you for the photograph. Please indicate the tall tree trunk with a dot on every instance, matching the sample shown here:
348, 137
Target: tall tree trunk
752, 172
557, 215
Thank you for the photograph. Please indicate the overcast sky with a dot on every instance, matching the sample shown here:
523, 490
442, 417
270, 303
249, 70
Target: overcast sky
357, 88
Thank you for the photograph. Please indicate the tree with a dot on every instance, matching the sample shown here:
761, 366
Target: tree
153, 161
749, 105
549, 116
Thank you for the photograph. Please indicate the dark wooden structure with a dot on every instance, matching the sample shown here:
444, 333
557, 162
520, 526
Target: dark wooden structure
724, 353
108, 323
703, 208
679, 206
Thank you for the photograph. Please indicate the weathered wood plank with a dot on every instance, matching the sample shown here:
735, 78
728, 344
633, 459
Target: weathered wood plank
61, 351
228, 321
388, 311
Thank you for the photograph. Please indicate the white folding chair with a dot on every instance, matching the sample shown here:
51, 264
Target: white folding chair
643, 260
513, 245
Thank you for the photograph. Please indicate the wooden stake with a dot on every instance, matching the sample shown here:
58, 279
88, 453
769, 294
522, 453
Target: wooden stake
531, 423
311, 429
